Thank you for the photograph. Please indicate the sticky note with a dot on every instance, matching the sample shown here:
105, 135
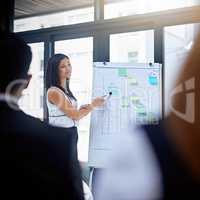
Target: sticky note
153, 80
132, 81
122, 72
135, 99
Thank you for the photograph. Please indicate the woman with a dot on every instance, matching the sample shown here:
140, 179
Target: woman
61, 103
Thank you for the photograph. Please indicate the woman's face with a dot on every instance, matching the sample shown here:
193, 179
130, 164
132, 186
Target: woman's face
65, 69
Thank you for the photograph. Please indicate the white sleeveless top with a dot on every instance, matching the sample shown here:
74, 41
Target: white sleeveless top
59, 118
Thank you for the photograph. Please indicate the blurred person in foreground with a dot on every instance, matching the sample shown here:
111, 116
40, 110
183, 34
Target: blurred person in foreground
162, 161
36, 159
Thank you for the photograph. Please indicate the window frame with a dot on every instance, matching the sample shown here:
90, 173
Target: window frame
101, 29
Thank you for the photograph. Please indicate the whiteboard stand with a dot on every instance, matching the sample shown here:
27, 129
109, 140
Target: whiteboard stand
91, 177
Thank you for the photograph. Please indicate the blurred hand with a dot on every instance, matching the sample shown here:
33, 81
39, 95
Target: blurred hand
99, 101
85, 106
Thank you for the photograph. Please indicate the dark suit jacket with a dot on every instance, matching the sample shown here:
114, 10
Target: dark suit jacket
36, 160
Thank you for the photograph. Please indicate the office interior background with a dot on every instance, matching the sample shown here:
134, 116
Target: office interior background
103, 30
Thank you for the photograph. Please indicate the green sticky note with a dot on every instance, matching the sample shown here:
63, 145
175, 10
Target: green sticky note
122, 72
135, 99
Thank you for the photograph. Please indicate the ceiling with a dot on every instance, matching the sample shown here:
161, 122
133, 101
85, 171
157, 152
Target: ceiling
27, 8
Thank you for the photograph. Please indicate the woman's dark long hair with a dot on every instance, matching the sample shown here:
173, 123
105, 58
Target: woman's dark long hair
52, 75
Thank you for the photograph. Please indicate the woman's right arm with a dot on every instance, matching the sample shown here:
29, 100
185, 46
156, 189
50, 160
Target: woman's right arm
57, 98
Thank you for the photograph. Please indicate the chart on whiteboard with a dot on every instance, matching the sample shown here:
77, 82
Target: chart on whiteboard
135, 99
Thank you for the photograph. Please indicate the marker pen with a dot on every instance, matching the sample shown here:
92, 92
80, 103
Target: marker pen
107, 96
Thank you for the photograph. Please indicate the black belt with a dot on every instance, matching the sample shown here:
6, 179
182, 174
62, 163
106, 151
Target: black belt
58, 116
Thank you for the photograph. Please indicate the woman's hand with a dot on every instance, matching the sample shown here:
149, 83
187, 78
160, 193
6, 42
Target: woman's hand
85, 106
98, 101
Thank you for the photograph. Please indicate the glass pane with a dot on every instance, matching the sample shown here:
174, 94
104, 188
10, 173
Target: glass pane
32, 99
80, 52
53, 20
178, 42
118, 8
132, 47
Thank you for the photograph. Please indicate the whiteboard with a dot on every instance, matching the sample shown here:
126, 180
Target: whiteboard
136, 99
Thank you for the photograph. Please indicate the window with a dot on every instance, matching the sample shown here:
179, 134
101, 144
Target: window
178, 42
41, 65
118, 8
53, 20
80, 52
30, 102
132, 47
41, 101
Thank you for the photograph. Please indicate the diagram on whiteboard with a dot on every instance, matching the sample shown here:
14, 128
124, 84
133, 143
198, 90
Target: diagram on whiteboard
135, 99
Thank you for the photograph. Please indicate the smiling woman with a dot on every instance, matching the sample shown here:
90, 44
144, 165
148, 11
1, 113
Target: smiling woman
81, 57
61, 103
